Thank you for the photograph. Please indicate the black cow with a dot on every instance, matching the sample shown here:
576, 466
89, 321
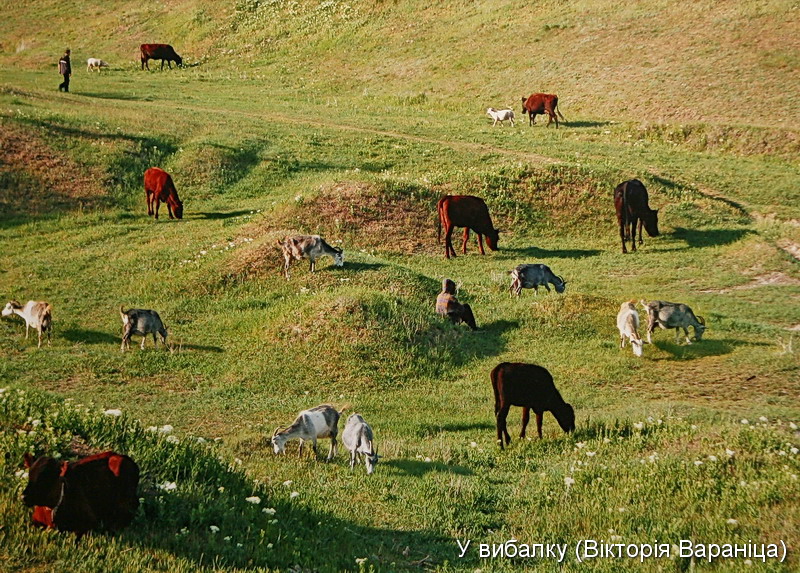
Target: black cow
531, 387
631, 203
83, 494
163, 52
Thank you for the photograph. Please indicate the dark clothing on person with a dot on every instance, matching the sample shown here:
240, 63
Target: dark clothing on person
65, 69
447, 305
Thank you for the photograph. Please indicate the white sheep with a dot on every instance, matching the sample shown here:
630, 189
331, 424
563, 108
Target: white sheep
501, 115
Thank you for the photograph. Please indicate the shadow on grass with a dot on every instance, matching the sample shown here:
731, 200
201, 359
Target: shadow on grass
420, 468
586, 123
215, 216
83, 336
536, 252
118, 96
708, 237
429, 430
698, 349
198, 347
363, 266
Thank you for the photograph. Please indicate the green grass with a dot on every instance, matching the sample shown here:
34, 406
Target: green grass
312, 124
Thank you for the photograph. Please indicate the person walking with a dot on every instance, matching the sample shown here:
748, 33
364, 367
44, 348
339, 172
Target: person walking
65, 69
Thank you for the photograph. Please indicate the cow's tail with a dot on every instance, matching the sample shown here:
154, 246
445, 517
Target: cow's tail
439, 209
560, 114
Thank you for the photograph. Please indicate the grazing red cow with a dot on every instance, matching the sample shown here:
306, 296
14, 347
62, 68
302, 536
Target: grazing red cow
468, 212
530, 386
540, 104
158, 186
79, 496
163, 52
631, 203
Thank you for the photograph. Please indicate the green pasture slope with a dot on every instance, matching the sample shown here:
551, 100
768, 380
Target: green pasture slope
350, 119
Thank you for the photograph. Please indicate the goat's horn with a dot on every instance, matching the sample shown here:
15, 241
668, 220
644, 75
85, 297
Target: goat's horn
701, 320
275, 433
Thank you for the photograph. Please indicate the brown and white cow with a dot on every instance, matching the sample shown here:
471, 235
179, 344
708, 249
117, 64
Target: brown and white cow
80, 496
631, 204
469, 212
163, 52
540, 104
158, 186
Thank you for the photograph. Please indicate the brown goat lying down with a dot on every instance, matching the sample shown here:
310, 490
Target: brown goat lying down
531, 387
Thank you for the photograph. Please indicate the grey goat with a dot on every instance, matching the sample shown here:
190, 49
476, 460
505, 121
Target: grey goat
143, 322
534, 276
357, 437
673, 315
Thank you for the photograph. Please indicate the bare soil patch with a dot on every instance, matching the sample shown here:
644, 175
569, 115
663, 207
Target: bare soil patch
36, 179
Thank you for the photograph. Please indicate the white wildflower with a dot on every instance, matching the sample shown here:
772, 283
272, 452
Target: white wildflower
745, 421
227, 538
269, 545
427, 460
221, 488
269, 510
168, 486
792, 425
590, 454
638, 425
568, 481
579, 445
730, 453
287, 483
732, 521
113, 412
361, 561
294, 494
214, 529
763, 419
173, 439
698, 463
712, 458
794, 450
254, 499
473, 445
166, 429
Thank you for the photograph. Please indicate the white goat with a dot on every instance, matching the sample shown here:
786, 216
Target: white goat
95, 64
628, 325
357, 437
319, 422
37, 315
501, 116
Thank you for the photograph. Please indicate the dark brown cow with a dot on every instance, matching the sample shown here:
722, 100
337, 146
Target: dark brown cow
163, 52
531, 387
468, 212
80, 496
540, 104
158, 186
631, 203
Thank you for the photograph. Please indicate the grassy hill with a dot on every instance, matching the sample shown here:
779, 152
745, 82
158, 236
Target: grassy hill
351, 120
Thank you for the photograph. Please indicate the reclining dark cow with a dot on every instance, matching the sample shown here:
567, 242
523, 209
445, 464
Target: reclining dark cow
163, 52
541, 104
468, 212
631, 204
80, 496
